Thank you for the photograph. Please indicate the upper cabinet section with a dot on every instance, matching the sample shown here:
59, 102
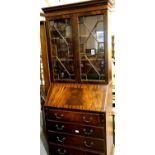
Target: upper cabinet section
78, 42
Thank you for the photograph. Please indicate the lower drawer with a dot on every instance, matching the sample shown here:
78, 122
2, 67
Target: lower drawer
77, 141
64, 150
78, 129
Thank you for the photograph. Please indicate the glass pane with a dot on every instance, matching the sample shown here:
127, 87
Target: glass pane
61, 47
91, 31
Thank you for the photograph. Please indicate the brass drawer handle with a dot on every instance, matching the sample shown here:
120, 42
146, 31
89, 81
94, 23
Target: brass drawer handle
59, 128
88, 133
61, 152
59, 116
88, 145
61, 140
87, 120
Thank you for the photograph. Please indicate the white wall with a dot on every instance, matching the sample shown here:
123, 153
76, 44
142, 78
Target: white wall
46, 3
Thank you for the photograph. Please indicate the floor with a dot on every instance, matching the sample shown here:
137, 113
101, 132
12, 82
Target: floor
42, 149
43, 142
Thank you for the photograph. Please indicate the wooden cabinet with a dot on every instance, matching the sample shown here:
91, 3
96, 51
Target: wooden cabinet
79, 101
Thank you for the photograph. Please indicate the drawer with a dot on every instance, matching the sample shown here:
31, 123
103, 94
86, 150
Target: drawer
64, 150
77, 141
76, 129
76, 117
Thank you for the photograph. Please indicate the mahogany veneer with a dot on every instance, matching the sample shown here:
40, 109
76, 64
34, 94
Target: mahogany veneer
78, 96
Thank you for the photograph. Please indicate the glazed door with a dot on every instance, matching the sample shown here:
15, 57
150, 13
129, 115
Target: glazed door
92, 47
61, 51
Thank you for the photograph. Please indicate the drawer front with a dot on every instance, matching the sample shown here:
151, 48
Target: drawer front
77, 141
64, 150
76, 117
76, 129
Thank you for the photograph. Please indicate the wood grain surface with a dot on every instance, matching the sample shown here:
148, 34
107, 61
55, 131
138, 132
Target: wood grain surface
91, 97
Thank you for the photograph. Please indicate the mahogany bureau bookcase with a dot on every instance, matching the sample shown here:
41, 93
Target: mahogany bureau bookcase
78, 106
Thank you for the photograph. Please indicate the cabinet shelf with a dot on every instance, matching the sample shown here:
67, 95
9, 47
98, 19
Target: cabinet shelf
60, 38
64, 59
99, 59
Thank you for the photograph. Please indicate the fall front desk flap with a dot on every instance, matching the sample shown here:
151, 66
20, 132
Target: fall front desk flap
91, 97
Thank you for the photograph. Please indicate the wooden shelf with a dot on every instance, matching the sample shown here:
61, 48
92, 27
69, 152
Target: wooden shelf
92, 59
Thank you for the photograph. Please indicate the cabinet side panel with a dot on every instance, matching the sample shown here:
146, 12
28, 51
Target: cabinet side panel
108, 49
109, 15
109, 121
44, 52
